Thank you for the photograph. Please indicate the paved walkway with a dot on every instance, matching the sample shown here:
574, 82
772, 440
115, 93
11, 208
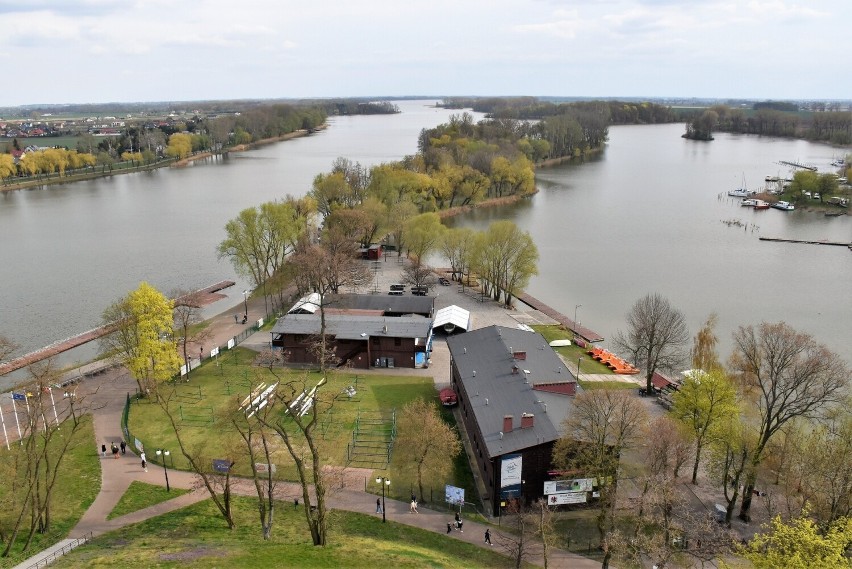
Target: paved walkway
105, 394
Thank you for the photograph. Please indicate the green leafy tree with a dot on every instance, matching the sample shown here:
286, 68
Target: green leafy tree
180, 145
800, 544
704, 400
142, 336
424, 233
425, 443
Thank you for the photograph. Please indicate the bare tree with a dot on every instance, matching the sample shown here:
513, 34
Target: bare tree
790, 376
518, 544
417, 275
187, 314
655, 337
604, 423
31, 471
257, 442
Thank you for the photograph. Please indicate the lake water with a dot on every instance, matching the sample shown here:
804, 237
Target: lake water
644, 216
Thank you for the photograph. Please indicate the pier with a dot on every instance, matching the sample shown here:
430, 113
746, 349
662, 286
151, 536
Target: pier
585, 333
808, 242
798, 165
200, 297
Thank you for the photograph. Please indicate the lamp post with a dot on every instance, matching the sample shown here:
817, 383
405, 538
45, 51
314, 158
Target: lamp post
245, 302
576, 306
163, 454
384, 482
580, 359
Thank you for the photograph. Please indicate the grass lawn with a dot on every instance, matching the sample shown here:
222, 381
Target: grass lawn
197, 536
77, 486
215, 392
141, 495
573, 352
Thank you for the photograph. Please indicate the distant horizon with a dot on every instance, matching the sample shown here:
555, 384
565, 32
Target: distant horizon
172, 102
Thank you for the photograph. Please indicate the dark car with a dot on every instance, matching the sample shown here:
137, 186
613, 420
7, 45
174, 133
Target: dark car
444, 282
419, 290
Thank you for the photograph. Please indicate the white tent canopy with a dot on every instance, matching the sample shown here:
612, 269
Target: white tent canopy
452, 318
307, 304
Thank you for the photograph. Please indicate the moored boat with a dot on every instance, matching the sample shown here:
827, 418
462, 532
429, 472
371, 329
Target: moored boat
760, 204
784, 206
749, 202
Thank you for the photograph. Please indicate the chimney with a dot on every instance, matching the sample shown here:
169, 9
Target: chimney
526, 420
514, 370
519, 355
507, 423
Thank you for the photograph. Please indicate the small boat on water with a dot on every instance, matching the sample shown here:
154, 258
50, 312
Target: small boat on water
784, 206
749, 202
741, 192
760, 204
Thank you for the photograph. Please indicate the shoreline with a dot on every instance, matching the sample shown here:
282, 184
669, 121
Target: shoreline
182, 163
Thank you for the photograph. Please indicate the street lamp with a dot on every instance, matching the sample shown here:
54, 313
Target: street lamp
576, 306
163, 454
245, 302
580, 359
384, 482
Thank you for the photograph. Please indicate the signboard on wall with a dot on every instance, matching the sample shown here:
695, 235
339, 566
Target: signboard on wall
454, 495
565, 486
510, 475
566, 498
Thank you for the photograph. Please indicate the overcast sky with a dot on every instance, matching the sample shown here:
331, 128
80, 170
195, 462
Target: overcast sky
78, 51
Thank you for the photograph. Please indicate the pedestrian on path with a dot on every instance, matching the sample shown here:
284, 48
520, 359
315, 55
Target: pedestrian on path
488, 536
123, 446
103, 451
236, 319
412, 509
144, 462
378, 505
114, 449
449, 527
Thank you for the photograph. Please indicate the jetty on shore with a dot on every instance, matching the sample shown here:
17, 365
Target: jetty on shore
200, 297
809, 241
797, 164
585, 333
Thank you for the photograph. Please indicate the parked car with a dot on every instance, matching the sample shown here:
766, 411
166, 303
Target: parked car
443, 281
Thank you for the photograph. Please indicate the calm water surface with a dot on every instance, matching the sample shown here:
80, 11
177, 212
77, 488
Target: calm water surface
644, 216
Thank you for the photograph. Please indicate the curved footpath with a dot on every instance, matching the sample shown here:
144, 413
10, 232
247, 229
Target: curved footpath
105, 397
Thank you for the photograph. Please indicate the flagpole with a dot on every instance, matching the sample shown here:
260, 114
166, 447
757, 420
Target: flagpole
17, 422
5, 434
52, 402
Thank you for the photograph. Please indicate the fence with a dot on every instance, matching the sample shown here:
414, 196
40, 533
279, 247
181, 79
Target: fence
61, 551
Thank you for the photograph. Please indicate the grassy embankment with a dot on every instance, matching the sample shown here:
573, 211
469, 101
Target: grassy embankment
571, 354
77, 486
197, 536
140, 495
213, 394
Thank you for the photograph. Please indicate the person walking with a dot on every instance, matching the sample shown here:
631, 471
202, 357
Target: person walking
114, 448
103, 451
123, 446
144, 462
236, 319
378, 505
449, 527
412, 509
488, 536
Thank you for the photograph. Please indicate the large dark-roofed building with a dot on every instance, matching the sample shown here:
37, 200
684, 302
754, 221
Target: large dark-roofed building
361, 341
514, 391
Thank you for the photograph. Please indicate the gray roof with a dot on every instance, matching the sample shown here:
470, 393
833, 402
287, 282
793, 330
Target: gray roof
485, 362
403, 304
351, 327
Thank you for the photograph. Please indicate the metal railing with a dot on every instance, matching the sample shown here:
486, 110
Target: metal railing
61, 551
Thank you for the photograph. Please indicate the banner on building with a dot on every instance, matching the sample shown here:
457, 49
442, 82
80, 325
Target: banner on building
565, 486
566, 498
510, 475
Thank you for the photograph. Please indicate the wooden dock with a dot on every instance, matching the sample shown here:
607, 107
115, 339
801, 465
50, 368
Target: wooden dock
809, 242
200, 297
797, 164
585, 333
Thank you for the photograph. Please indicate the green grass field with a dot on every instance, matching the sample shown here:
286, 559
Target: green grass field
141, 495
197, 537
211, 398
573, 352
78, 484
